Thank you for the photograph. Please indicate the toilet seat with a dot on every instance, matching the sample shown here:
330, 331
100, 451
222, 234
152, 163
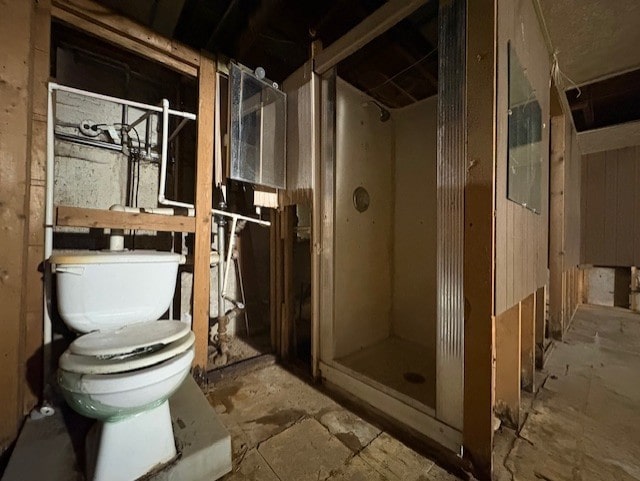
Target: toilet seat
128, 348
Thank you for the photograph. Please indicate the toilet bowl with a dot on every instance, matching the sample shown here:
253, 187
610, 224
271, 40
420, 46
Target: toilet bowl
125, 364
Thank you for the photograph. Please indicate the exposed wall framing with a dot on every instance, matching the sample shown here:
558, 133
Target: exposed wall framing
25, 73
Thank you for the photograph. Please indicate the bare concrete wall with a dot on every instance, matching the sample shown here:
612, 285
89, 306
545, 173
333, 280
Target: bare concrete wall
363, 240
414, 249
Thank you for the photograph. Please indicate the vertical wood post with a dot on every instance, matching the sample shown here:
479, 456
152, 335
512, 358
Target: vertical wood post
556, 228
204, 194
540, 325
528, 343
479, 247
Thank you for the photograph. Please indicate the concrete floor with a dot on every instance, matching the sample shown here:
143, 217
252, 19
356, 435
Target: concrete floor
584, 422
283, 429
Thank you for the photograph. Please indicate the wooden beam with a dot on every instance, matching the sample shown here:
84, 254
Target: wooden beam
203, 203
99, 21
556, 227
371, 27
508, 335
479, 234
527, 343
68, 216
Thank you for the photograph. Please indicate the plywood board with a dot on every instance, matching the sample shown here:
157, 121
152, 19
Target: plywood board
508, 338
15, 117
521, 235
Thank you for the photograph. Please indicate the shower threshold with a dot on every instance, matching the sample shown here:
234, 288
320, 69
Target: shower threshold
393, 377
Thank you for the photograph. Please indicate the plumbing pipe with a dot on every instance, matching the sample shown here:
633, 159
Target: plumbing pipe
47, 334
156, 210
130, 103
221, 249
116, 237
232, 240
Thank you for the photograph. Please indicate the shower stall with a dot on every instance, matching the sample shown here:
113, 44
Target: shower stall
391, 303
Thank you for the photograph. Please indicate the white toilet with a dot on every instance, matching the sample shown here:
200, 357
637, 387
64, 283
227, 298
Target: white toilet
125, 364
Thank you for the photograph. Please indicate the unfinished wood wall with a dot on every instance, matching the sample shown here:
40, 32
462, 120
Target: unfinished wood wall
573, 196
564, 234
521, 235
24, 65
610, 206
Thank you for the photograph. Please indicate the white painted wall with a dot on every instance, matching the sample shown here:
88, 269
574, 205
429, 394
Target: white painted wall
414, 249
363, 241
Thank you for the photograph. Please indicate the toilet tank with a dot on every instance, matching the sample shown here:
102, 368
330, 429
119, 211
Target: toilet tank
99, 290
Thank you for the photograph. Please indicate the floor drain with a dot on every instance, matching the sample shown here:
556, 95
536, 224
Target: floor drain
414, 377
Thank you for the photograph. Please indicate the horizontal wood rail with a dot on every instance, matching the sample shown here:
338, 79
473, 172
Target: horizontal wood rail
67, 216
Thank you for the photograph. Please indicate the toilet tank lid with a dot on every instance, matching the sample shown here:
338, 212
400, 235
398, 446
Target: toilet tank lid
112, 257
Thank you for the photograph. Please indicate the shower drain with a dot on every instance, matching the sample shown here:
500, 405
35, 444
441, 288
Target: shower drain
414, 377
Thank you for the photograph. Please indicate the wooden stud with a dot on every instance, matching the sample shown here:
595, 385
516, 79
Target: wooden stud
68, 216
99, 21
556, 229
275, 248
508, 335
288, 216
527, 343
479, 247
540, 325
316, 239
203, 202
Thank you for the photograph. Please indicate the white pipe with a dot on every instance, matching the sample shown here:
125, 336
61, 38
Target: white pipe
158, 211
47, 334
232, 240
130, 103
164, 150
241, 217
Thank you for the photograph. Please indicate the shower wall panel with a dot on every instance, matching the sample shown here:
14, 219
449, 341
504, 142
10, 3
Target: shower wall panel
414, 273
363, 240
